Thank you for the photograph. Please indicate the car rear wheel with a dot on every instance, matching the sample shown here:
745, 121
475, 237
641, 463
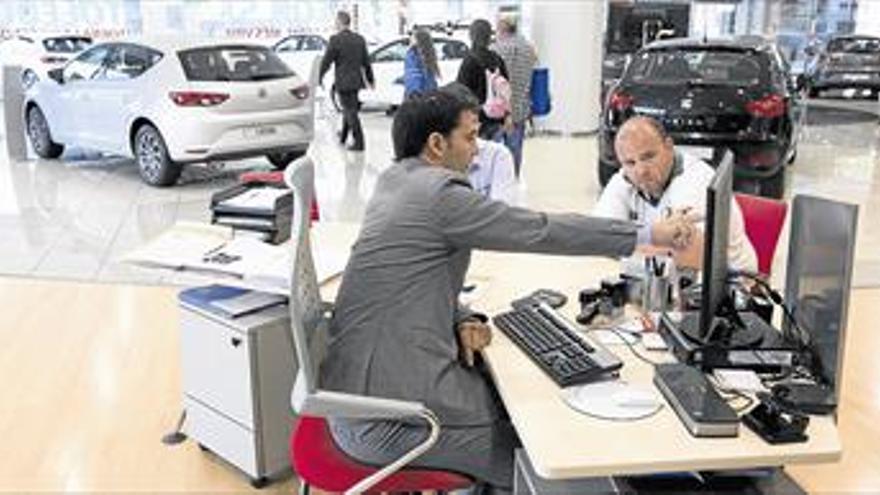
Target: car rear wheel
41, 138
154, 164
281, 160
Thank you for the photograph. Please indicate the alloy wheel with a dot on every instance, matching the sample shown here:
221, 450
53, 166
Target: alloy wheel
150, 154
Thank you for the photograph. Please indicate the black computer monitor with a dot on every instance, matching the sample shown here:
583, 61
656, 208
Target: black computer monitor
715, 242
718, 322
818, 278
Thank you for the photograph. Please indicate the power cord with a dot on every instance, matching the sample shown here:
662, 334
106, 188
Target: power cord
621, 334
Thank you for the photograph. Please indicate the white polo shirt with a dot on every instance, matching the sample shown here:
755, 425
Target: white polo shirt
491, 173
621, 200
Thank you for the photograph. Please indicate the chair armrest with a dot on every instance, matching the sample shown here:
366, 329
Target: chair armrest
336, 404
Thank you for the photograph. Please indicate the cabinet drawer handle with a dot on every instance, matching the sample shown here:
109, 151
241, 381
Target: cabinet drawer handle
235, 341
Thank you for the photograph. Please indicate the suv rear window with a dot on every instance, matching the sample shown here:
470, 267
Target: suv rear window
722, 67
232, 63
66, 44
855, 45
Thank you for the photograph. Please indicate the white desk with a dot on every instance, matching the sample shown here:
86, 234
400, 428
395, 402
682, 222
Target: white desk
564, 444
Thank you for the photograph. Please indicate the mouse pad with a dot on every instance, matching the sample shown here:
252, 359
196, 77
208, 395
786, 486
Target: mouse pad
604, 400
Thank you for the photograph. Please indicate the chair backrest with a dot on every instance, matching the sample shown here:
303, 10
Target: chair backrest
307, 320
763, 220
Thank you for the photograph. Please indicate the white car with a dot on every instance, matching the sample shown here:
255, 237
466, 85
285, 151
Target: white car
299, 52
37, 55
172, 103
387, 62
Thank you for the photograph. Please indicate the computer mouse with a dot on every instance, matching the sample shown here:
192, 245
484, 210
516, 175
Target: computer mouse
634, 398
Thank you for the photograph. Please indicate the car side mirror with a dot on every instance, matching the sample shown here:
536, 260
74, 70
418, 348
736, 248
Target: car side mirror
57, 75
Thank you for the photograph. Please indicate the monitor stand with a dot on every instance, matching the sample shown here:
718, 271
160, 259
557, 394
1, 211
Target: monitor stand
754, 344
726, 331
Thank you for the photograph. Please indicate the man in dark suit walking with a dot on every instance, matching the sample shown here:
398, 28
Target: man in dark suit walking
347, 51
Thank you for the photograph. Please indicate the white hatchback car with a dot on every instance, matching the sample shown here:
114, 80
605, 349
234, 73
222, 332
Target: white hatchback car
171, 103
37, 55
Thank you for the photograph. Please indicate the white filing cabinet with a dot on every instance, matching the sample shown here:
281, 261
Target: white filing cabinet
237, 377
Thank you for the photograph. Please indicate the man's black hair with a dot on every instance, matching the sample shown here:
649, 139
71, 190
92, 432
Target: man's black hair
344, 18
419, 117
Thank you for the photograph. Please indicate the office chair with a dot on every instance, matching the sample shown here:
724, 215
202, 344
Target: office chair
763, 220
313, 454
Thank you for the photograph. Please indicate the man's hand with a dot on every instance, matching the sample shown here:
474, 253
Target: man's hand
676, 230
473, 336
692, 255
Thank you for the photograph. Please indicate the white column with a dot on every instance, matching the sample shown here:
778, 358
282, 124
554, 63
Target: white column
568, 36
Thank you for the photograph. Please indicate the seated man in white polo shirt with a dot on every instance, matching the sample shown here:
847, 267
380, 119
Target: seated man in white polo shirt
655, 179
492, 173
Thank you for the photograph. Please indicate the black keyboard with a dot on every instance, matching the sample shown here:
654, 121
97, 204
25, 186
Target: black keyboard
551, 342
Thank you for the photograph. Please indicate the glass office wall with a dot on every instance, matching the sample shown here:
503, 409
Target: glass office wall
111, 19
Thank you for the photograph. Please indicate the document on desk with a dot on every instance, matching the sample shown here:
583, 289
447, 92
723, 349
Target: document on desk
240, 261
258, 198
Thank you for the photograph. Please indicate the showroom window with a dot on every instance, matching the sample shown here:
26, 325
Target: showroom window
232, 63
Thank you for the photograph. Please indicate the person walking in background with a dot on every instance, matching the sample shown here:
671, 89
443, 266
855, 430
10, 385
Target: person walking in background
420, 69
475, 70
347, 52
520, 59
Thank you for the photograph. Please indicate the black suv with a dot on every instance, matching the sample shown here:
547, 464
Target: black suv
847, 62
713, 95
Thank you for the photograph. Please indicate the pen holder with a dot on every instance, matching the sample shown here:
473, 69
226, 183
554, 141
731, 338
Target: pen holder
656, 284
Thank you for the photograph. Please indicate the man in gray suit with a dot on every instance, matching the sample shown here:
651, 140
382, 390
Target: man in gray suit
398, 331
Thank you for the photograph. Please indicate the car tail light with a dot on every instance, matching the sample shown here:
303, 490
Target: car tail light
197, 98
50, 59
767, 107
301, 92
620, 101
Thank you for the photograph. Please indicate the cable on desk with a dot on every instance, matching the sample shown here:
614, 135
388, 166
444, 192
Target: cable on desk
620, 335
731, 394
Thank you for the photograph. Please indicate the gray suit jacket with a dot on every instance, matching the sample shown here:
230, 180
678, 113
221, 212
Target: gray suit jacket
393, 333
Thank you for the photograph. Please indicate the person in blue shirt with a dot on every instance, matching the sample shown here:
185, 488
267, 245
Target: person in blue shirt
420, 69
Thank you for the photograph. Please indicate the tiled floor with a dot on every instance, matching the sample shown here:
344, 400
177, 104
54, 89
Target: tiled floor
72, 218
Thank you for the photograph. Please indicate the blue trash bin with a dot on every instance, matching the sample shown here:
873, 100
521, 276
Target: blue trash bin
540, 93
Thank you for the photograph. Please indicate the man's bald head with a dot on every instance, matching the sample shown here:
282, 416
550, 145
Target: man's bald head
646, 154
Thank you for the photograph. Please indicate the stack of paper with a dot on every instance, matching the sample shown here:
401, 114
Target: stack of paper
257, 198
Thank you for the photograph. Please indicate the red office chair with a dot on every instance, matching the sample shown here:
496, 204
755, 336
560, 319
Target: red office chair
313, 454
763, 220
319, 462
